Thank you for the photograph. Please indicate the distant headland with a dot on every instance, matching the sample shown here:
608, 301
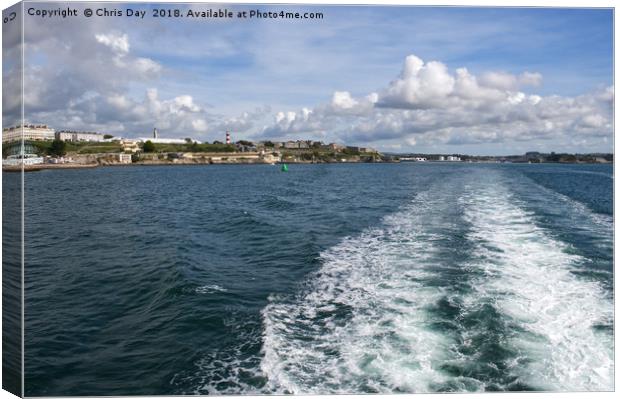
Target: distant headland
46, 148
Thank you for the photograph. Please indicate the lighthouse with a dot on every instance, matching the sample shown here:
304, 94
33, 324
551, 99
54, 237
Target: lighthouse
155, 135
227, 138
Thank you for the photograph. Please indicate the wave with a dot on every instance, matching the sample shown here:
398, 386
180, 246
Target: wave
459, 291
210, 289
361, 324
561, 323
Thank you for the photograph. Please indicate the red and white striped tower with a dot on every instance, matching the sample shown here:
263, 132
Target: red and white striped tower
227, 138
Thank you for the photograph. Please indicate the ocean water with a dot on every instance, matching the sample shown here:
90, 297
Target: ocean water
330, 278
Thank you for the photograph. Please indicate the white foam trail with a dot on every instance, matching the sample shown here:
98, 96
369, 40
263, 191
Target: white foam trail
210, 289
362, 325
528, 276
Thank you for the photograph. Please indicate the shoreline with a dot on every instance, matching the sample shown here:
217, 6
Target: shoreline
39, 167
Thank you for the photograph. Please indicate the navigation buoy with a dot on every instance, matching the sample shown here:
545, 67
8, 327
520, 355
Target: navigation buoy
284, 167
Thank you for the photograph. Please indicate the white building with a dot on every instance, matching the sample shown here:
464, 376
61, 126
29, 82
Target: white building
66, 135
161, 140
453, 158
27, 159
30, 132
129, 145
124, 158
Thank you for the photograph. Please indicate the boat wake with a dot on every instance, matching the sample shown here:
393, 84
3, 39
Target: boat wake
459, 291
361, 325
560, 323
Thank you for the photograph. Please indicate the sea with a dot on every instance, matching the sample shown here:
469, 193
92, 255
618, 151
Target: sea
326, 279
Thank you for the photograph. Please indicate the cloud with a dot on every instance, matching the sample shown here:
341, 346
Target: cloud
343, 103
419, 85
135, 66
100, 82
177, 115
499, 80
199, 125
118, 43
530, 79
86, 86
430, 86
427, 105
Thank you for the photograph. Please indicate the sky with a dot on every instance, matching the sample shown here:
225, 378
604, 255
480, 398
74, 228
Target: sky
399, 79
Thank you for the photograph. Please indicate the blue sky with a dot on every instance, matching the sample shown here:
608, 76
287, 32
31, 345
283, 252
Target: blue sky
542, 77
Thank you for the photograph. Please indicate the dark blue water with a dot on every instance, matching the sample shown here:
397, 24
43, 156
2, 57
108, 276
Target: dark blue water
328, 278
11, 283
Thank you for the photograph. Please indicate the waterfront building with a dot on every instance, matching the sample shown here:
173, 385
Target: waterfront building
30, 132
162, 140
441, 158
413, 159
156, 140
69, 135
296, 145
26, 159
124, 158
335, 147
129, 145
453, 158
246, 148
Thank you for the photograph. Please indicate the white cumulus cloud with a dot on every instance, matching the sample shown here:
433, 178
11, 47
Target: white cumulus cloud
117, 42
427, 104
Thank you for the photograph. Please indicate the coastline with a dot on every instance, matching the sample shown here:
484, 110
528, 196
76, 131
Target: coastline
38, 167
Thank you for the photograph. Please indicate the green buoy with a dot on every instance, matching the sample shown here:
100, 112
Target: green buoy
284, 167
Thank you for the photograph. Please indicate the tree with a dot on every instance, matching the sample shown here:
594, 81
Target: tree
189, 140
58, 148
269, 144
148, 146
107, 136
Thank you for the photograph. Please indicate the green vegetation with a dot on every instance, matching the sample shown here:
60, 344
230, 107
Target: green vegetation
349, 151
193, 147
58, 148
45, 147
107, 136
148, 146
97, 148
53, 148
